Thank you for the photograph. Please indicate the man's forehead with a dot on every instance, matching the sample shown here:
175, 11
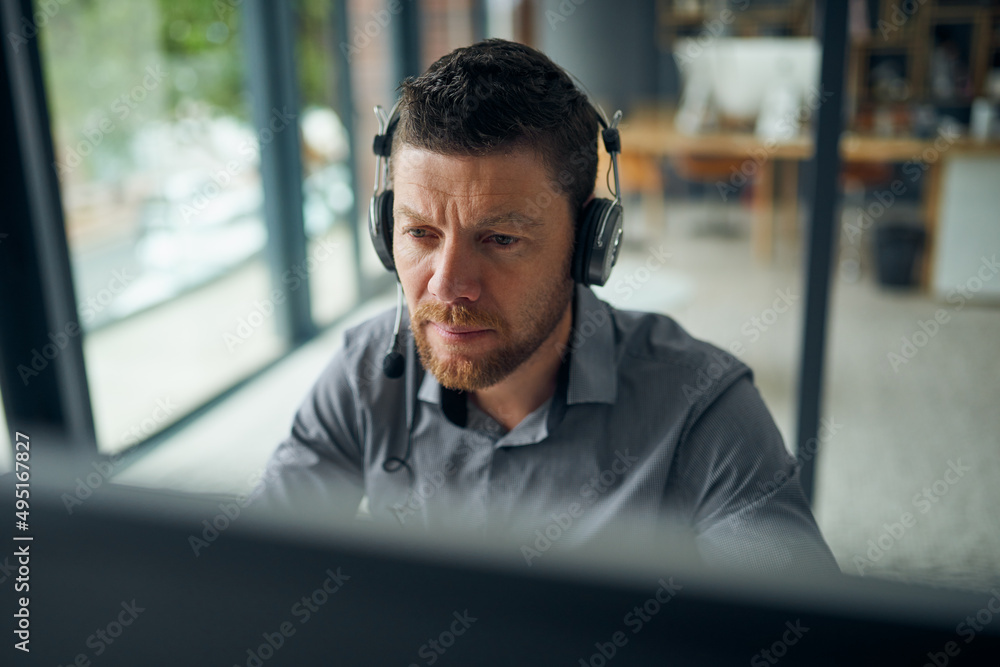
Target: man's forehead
515, 179
509, 163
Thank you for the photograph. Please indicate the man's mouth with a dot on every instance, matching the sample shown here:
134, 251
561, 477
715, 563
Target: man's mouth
453, 332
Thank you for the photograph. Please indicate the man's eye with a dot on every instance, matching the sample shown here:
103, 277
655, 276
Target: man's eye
503, 239
417, 233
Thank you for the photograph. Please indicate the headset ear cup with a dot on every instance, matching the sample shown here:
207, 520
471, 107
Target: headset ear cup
584, 242
380, 228
594, 257
603, 258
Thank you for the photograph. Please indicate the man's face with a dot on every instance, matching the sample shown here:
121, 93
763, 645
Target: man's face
482, 247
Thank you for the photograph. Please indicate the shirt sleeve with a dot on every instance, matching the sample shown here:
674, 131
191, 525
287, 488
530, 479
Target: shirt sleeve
738, 486
320, 465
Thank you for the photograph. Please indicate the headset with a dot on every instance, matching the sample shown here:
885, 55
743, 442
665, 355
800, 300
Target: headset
595, 251
598, 234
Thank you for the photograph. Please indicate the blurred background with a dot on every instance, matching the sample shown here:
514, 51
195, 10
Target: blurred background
213, 166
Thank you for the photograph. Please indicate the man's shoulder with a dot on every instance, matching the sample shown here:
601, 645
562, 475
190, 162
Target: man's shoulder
364, 345
374, 333
659, 339
655, 350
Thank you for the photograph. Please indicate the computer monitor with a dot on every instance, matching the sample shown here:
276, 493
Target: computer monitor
772, 81
140, 577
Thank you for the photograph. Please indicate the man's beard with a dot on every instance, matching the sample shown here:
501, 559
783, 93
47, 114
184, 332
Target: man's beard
538, 319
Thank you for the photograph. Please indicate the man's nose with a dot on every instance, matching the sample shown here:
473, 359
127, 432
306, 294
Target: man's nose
456, 273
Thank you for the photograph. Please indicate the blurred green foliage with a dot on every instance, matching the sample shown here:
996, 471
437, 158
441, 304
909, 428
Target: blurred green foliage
203, 38
317, 55
96, 52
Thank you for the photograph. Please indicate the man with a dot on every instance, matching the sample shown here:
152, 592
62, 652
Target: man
524, 400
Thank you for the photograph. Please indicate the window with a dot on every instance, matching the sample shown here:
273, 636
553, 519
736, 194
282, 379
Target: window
327, 165
158, 162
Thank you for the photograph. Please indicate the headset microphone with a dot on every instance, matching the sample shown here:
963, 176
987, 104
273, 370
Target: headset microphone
394, 363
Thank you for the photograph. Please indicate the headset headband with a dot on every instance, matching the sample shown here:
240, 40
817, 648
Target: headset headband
382, 144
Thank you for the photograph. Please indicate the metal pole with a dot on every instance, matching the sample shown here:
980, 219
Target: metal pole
821, 233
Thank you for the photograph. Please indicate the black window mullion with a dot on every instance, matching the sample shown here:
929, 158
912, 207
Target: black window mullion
270, 43
407, 41
42, 368
478, 11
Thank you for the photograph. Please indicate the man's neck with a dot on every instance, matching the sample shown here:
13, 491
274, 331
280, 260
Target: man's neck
532, 383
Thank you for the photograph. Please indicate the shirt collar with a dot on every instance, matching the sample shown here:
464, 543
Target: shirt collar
593, 376
592, 373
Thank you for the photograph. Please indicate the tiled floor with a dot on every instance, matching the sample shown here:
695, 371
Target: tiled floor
888, 499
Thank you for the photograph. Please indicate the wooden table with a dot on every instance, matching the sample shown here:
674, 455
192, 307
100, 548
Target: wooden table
651, 132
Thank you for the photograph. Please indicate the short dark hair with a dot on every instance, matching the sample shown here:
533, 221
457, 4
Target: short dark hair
496, 95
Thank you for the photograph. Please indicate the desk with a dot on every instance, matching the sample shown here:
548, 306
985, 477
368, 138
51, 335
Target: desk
651, 132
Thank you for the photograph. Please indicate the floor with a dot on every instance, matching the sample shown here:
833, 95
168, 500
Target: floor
908, 474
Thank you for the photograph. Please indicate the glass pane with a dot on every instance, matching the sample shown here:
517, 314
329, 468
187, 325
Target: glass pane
158, 165
328, 188
370, 53
909, 485
445, 26
709, 177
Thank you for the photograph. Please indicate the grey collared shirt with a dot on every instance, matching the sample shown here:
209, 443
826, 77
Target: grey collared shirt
647, 426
